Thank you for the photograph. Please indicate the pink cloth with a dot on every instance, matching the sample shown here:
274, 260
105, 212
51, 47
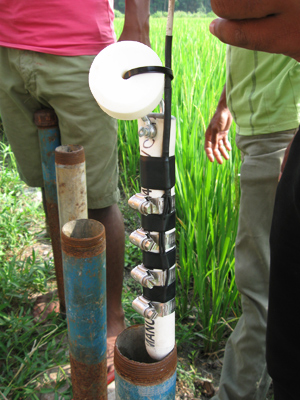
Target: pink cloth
62, 27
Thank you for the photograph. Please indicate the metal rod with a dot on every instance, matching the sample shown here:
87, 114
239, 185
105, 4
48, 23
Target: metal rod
49, 137
83, 246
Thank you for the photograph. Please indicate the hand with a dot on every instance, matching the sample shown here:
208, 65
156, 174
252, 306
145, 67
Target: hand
216, 135
267, 25
136, 24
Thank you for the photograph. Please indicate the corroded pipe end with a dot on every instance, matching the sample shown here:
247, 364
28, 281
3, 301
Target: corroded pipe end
89, 382
69, 154
133, 363
45, 118
83, 238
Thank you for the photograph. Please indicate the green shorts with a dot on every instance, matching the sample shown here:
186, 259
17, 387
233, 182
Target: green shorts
30, 81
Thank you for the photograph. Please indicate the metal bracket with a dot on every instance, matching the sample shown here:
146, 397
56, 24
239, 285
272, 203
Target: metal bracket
152, 309
149, 241
147, 205
156, 277
149, 131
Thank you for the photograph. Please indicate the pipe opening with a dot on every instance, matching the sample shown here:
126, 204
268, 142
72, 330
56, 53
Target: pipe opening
69, 148
133, 363
69, 154
83, 229
133, 346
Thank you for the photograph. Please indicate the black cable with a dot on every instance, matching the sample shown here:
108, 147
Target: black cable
150, 69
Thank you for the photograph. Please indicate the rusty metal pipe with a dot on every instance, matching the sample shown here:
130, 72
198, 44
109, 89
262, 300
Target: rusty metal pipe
49, 138
137, 375
71, 183
83, 248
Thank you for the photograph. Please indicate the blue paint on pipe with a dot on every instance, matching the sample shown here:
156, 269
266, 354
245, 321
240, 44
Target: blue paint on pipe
128, 391
85, 293
49, 140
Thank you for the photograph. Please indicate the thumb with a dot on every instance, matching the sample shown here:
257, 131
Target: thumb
253, 34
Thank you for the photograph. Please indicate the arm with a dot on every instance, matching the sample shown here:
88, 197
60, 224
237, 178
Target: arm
266, 25
216, 135
136, 25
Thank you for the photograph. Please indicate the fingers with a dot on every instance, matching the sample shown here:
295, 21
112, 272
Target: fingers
271, 34
216, 140
208, 146
245, 9
249, 34
227, 143
219, 150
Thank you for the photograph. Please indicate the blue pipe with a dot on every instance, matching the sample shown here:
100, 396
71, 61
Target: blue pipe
83, 247
49, 138
126, 390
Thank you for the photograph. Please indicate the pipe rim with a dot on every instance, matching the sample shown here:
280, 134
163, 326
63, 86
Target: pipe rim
69, 154
83, 233
143, 374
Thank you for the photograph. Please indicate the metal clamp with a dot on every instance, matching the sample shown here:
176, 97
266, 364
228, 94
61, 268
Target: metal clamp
147, 205
144, 307
142, 239
152, 309
149, 241
156, 277
149, 131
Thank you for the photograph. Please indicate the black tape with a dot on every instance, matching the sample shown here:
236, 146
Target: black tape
159, 261
160, 294
158, 223
157, 173
150, 69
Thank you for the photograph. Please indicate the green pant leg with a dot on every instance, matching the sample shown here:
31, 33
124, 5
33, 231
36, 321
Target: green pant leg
17, 107
63, 83
244, 375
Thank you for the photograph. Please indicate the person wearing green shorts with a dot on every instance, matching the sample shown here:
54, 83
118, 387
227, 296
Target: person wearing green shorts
45, 63
262, 95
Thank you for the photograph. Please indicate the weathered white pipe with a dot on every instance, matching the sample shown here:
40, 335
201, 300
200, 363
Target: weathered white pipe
160, 336
71, 183
153, 147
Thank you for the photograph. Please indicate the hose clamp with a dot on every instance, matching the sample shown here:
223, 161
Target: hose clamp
156, 277
152, 309
149, 241
147, 205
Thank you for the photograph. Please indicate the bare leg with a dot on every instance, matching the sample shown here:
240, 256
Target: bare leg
112, 220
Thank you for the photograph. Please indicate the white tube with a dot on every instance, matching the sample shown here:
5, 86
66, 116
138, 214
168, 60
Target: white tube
160, 336
160, 332
154, 147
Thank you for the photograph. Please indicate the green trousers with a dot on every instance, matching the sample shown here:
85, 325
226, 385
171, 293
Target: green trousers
244, 373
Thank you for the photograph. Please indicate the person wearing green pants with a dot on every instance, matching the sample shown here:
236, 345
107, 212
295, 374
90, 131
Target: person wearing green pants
262, 96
